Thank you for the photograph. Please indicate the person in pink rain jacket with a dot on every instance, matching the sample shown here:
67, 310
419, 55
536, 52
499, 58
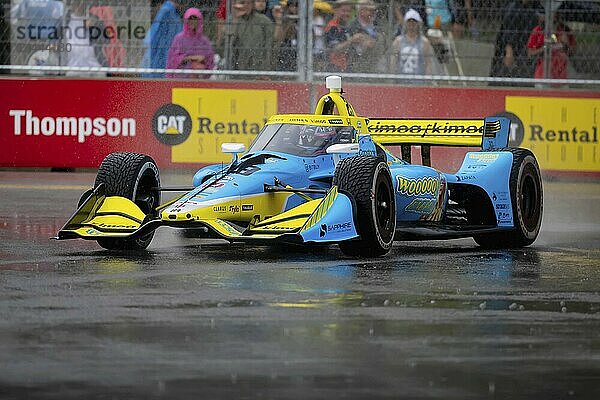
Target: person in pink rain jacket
191, 49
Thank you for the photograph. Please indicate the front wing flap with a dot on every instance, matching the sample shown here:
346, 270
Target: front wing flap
328, 219
102, 216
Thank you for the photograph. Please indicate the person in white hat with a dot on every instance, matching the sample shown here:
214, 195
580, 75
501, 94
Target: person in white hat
412, 54
411, 51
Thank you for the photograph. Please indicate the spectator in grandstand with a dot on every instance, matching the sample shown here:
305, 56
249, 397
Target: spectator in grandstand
321, 12
286, 34
251, 38
221, 15
510, 57
400, 7
165, 26
338, 39
462, 17
112, 47
191, 49
263, 7
35, 23
43, 16
85, 42
412, 54
438, 14
365, 54
260, 6
563, 46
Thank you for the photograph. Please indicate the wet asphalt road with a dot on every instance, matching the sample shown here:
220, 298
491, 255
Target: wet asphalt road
189, 319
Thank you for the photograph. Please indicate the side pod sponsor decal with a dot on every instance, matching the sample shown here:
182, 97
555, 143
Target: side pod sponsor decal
417, 187
421, 206
338, 227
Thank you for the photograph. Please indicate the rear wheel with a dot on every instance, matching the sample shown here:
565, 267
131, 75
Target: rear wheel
135, 177
526, 195
369, 182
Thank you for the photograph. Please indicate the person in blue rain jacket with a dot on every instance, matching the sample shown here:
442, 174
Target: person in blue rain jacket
165, 26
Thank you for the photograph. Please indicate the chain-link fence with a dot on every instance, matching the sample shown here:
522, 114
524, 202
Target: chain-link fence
468, 42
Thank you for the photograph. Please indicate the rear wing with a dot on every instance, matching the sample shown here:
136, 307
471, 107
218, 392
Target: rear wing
489, 133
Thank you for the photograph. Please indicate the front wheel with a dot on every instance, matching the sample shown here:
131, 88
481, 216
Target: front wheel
369, 182
135, 177
526, 195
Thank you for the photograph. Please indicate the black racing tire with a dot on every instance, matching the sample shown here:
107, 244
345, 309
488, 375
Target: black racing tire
135, 177
527, 198
369, 182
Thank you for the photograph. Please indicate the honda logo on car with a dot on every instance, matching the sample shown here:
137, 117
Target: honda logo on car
25, 122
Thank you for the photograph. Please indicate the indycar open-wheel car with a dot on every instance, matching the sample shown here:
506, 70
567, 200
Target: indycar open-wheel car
328, 177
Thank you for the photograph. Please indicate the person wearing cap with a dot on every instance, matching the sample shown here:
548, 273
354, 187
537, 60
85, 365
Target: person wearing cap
400, 7
412, 54
364, 54
411, 51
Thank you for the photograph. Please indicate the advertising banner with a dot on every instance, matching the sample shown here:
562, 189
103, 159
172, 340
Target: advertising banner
220, 116
75, 123
563, 133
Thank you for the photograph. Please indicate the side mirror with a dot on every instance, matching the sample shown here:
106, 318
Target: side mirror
233, 148
343, 148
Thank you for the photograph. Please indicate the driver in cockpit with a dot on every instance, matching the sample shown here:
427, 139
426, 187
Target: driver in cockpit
315, 136
306, 136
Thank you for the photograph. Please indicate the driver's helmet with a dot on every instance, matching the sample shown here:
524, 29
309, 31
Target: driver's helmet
311, 135
306, 136
325, 132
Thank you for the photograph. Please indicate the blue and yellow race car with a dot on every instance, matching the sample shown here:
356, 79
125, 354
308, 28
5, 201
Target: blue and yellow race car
327, 177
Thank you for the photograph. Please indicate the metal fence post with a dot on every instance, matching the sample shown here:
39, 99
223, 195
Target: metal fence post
227, 32
547, 38
309, 40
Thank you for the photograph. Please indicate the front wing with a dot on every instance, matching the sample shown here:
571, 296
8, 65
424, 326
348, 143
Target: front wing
328, 219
